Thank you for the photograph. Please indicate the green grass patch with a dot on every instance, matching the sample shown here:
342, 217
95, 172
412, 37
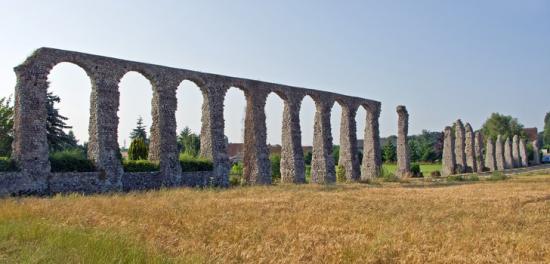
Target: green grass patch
497, 176
35, 241
425, 168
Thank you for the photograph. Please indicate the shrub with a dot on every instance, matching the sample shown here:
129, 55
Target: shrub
235, 180
455, 178
473, 177
340, 173
237, 169
275, 167
388, 176
435, 174
415, 170
73, 160
138, 150
7, 164
140, 166
497, 176
190, 163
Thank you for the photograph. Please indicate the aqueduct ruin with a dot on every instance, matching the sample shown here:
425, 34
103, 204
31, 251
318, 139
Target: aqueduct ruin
30, 146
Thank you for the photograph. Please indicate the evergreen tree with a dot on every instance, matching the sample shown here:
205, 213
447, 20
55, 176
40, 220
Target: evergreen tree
336, 154
138, 149
389, 152
6, 126
55, 125
189, 142
139, 131
308, 157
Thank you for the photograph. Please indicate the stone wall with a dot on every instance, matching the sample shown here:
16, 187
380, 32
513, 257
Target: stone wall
30, 147
13, 184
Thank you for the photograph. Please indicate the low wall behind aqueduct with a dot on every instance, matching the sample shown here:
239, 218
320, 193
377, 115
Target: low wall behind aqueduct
30, 147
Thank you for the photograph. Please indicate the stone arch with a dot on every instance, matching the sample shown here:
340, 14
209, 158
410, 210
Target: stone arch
189, 99
130, 110
307, 121
74, 109
30, 144
348, 158
234, 115
256, 165
322, 164
275, 103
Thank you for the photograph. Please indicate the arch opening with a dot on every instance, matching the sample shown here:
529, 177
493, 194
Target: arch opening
335, 123
188, 118
68, 118
234, 114
135, 114
360, 120
307, 123
274, 123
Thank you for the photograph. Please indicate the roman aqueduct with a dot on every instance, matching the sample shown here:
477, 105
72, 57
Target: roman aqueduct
30, 147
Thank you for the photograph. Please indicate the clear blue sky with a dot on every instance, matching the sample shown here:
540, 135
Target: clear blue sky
442, 59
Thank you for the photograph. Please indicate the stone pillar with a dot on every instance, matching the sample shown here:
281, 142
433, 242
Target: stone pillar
348, 143
322, 164
471, 165
292, 154
163, 146
515, 152
213, 143
479, 151
536, 152
403, 157
372, 154
460, 142
490, 161
103, 147
523, 153
256, 165
508, 159
499, 154
448, 161
30, 143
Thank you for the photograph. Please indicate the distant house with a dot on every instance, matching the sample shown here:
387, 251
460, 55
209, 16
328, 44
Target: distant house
532, 133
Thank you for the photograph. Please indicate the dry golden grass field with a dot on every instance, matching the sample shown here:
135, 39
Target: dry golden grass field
504, 221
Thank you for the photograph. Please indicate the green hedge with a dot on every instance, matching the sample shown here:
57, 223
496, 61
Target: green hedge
7, 164
70, 161
190, 163
140, 166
